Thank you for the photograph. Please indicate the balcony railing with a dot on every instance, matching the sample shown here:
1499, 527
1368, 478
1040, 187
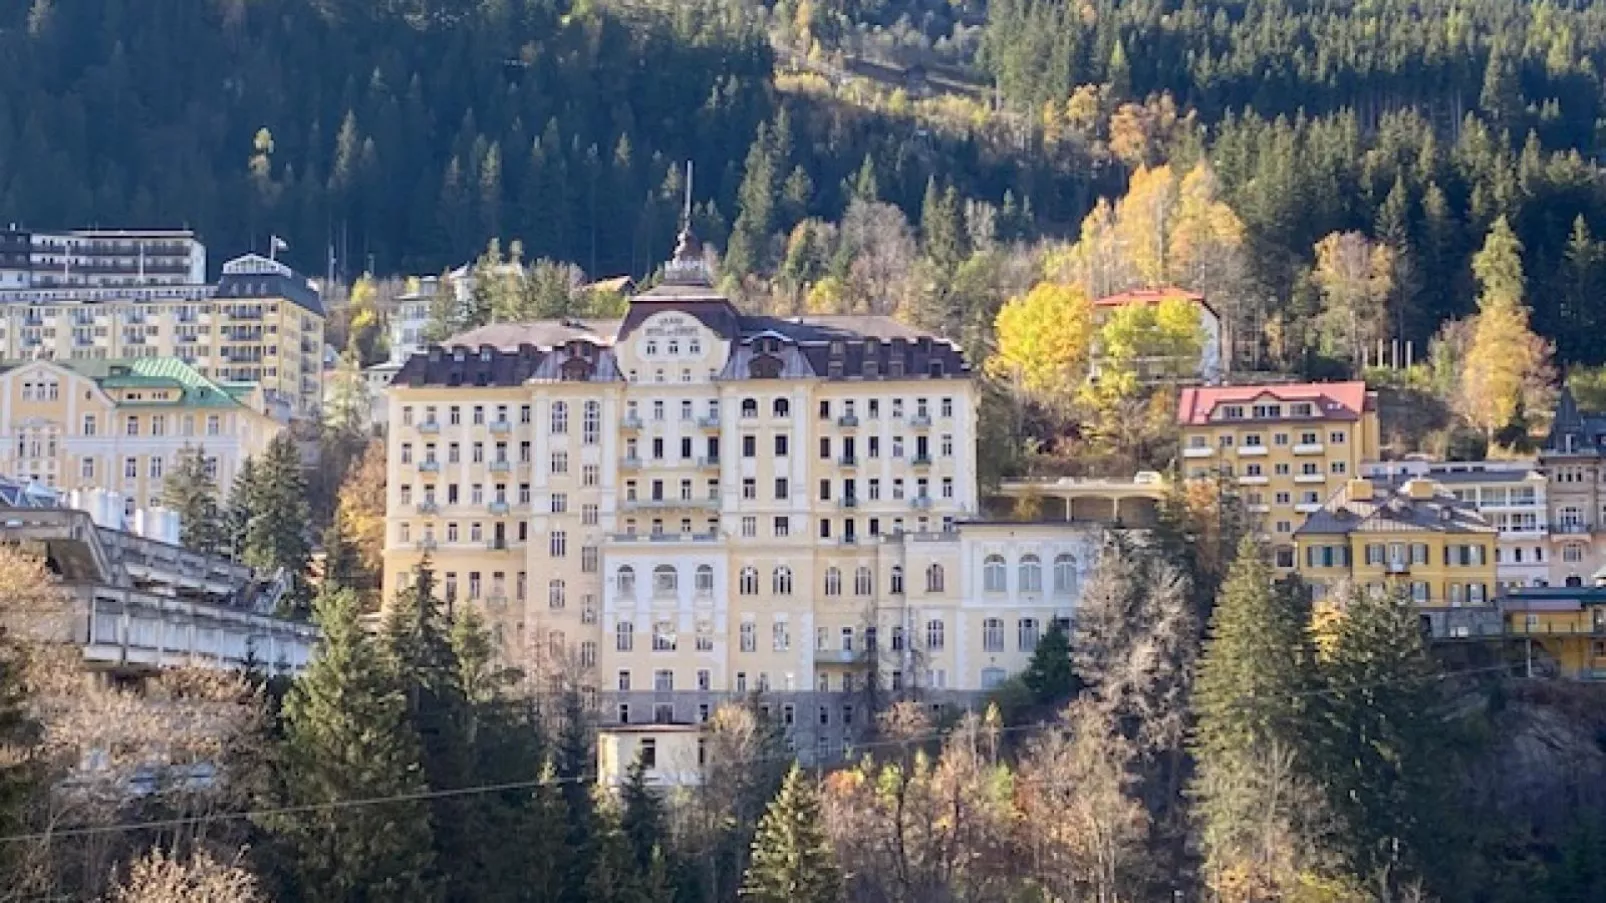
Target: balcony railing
848, 501
708, 461
630, 422
500, 427
848, 461
920, 502
429, 426
920, 420
497, 507
501, 465
847, 420
921, 461
708, 423
429, 466
428, 506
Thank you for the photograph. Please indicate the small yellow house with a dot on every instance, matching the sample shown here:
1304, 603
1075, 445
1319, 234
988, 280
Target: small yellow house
1565, 627
1413, 536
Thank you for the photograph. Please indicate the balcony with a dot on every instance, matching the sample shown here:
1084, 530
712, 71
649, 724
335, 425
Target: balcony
920, 421
847, 461
1253, 479
427, 544
1308, 507
1198, 452
630, 422
497, 545
847, 420
708, 423
1252, 451
711, 501
1571, 528
428, 506
920, 503
630, 463
501, 465
663, 537
848, 501
1310, 478
708, 462
429, 466
920, 461
1309, 448
500, 427
834, 656
1396, 567
849, 539
497, 507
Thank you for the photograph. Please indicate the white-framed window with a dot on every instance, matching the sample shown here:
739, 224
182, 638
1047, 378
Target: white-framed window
781, 636
833, 582
705, 578
936, 634
934, 578
1027, 634
627, 580
624, 636
992, 635
1064, 573
1031, 574
863, 582
556, 594
781, 581
591, 423
993, 574
665, 579
560, 418
748, 584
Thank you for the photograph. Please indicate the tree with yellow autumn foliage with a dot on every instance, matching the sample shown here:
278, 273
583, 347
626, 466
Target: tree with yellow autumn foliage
1504, 357
1043, 341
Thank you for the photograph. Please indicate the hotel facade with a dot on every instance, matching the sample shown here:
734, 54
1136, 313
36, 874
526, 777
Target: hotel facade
691, 504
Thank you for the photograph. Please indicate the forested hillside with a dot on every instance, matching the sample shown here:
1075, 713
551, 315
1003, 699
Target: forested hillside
408, 133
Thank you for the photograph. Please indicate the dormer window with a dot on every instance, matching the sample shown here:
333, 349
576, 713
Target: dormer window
838, 349
936, 368
652, 348
1264, 411
1302, 409
1232, 412
485, 355
457, 354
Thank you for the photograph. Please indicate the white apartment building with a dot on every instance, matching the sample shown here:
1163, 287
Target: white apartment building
101, 258
1510, 495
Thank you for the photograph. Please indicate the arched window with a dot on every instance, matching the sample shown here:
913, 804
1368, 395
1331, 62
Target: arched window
749, 407
705, 578
749, 581
664, 579
992, 574
627, 581
897, 581
934, 579
1064, 573
1031, 574
833, 582
781, 407
781, 582
560, 417
862, 582
556, 594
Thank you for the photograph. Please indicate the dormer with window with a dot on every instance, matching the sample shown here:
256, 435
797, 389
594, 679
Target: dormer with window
1232, 412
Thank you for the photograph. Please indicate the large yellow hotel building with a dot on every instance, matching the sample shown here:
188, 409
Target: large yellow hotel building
1288, 447
692, 503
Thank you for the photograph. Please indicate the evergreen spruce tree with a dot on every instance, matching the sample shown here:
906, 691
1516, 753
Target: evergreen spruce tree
1254, 679
276, 535
1382, 756
341, 565
346, 738
793, 861
576, 770
755, 217
416, 640
1050, 675
236, 519
613, 876
642, 816
190, 490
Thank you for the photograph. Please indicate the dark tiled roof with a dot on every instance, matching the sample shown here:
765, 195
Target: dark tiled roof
1574, 431
1392, 510
463, 366
264, 286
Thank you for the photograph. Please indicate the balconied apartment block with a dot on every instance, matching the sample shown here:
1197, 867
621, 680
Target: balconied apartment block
690, 504
260, 325
1288, 447
140, 602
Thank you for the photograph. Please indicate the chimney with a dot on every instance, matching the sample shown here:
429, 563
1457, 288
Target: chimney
1420, 489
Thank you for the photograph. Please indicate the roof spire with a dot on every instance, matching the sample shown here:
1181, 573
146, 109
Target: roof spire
687, 264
